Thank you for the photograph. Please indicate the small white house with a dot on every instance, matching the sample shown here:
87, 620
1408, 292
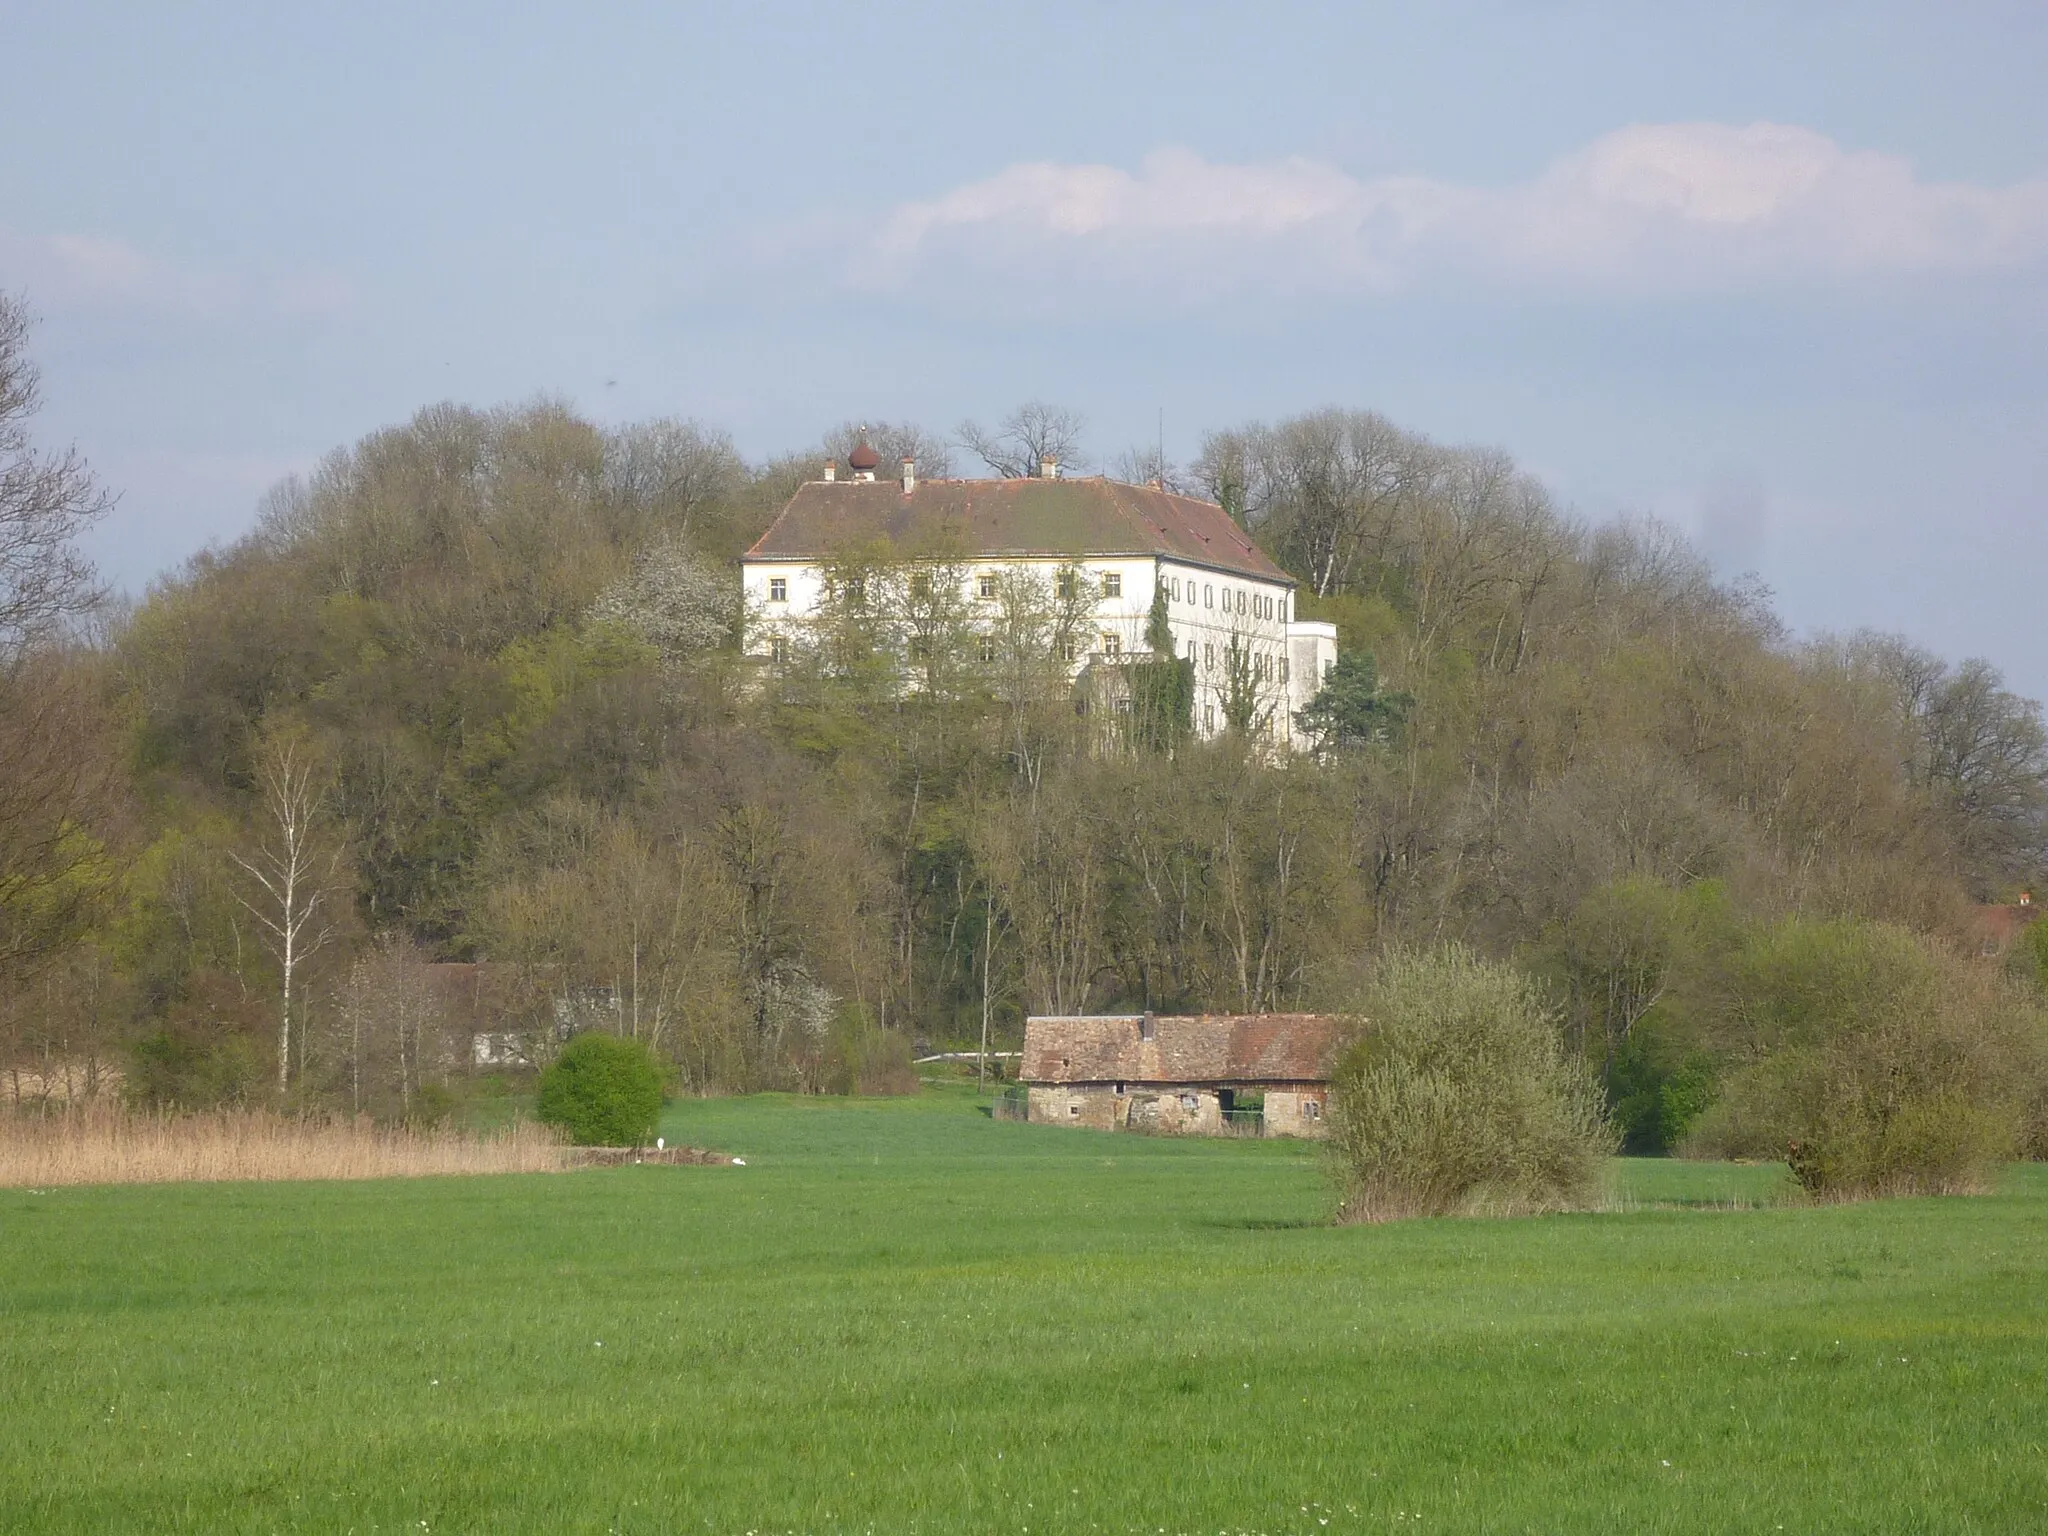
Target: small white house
1122, 543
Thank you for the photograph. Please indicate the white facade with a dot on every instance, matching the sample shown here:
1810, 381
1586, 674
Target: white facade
1210, 611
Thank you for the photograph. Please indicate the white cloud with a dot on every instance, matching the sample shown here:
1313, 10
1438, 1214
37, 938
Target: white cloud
1656, 206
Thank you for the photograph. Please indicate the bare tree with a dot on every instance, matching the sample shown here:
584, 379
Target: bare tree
668, 472
46, 501
1147, 464
1026, 438
293, 866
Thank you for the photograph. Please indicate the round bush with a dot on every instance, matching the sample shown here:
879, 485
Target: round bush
603, 1090
1460, 1097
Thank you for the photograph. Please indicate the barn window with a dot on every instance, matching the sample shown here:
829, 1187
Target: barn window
778, 589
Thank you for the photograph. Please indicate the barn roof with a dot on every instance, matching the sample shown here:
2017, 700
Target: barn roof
1047, 518
1201, 1048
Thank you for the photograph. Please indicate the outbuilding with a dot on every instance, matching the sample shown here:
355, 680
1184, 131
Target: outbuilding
1200, 1074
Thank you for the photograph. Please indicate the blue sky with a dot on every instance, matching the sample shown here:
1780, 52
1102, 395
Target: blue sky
1777, 273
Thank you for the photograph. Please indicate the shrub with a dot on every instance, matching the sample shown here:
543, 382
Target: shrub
1885, 1065
1460, 1097
603, 1090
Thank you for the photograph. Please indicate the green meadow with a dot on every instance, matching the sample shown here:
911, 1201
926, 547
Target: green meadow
904, 1316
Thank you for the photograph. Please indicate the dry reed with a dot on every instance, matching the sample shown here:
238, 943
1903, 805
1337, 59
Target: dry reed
106, 1144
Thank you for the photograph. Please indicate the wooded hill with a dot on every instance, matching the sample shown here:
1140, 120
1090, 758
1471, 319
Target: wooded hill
478, 682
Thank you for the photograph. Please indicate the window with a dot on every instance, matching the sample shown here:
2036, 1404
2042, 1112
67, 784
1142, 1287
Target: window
1283, 610
921, 585
1074, 1109
1066, 584
1208, 595
1112, 644
1119, 1090
1173, 588
1240, 599
778, 589
1067, 649
1311, 1109
1208, 655
856, 589
1112, 583
988, 647
986, 586
1190, 1101
778, 650
1209, 717
1123, 706
1283, 667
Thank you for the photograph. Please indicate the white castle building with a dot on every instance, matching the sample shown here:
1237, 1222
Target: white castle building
1231, 609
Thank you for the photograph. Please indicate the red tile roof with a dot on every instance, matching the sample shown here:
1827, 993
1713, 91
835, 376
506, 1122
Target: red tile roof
1203, 1048
1013, 517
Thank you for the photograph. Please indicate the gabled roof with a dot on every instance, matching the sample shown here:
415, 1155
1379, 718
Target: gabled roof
1013, 518
1201, 1048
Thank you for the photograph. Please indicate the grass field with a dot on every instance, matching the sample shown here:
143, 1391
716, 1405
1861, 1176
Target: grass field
902, 1316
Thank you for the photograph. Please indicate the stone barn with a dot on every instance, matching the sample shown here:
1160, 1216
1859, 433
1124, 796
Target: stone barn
1193, 1075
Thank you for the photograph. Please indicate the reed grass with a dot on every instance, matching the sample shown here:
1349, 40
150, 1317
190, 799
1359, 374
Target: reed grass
109, 1144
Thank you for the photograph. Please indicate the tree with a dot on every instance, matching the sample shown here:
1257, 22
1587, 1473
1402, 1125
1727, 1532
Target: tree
675, 601
602, 1090
1458, 1095
1349, 711
57, 773
669, 475
46, 501
1162, 686
293, 865
1026, 438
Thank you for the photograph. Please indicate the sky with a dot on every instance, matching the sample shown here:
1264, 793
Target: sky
1777, 274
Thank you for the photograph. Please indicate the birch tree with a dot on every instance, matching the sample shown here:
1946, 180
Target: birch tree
291, 869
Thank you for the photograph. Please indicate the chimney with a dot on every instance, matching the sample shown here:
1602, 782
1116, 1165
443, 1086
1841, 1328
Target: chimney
831, 470
909, 474
1048, 469
1145, 1025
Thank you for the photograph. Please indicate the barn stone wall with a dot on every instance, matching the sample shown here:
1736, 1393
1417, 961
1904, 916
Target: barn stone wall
1297, 1111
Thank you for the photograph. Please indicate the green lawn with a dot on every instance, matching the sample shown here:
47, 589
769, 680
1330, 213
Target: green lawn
902, 1316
